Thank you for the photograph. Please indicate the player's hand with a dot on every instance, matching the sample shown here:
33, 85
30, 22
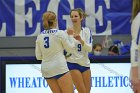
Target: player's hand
135, 84
78, 37
70, 31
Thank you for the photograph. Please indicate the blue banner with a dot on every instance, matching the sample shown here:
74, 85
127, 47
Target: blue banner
24, 17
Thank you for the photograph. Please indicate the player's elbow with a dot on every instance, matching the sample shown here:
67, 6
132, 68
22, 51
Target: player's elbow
38, 58
89, 49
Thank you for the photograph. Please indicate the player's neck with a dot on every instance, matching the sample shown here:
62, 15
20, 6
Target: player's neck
77, 29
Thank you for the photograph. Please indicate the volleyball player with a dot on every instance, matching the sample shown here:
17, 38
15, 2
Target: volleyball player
79, 63
135, 47
49, 48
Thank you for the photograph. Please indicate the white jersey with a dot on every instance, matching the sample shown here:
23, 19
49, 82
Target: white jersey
49, 48
81, 55
135, 46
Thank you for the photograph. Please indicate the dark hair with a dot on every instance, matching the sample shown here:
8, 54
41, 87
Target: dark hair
114, 49
97, 44
48, 19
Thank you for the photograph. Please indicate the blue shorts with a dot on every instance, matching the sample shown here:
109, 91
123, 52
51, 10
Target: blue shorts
57, 76
74, 66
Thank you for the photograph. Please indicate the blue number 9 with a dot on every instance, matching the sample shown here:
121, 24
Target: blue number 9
46, 39
79, 47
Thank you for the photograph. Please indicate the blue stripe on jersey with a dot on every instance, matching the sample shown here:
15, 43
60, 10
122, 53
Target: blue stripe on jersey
136, 55
138, 37
52, 31
49, 31
43, 32
90, 40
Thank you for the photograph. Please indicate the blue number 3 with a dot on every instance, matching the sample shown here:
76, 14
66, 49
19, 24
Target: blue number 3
46, 39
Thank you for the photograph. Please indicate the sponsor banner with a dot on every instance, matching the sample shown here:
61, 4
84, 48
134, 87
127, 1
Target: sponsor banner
105, 78
24, 17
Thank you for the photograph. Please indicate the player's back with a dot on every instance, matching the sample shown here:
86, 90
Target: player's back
51, 45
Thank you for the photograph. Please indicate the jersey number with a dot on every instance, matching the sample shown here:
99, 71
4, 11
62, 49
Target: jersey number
46, 39
79, 47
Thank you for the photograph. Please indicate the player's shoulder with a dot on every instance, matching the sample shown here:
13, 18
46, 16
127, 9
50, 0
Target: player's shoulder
60, 32
136, 19
42, 34
138, 15
52, 32
86, 30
